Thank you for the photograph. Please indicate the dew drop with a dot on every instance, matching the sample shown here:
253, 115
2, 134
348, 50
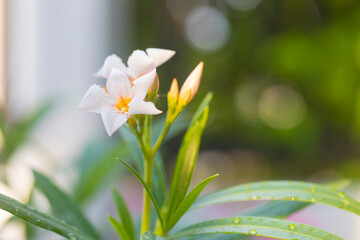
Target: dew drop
255, 197
38, 220
253, 232
236, 220
342, 195
292, 227
17, 209
345, 202
71, 236
293, 198
314, 200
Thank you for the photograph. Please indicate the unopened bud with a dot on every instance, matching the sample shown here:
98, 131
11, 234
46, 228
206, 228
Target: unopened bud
172, 97
174, 90
153, 90
191, 85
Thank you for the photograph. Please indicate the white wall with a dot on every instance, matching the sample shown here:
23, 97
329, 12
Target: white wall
54, 47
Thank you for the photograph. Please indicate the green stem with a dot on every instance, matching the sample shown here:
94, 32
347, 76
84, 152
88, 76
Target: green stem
148, 166
161, 138
145, 223
147, 131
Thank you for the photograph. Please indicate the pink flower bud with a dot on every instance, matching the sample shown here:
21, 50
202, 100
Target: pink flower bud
191, 85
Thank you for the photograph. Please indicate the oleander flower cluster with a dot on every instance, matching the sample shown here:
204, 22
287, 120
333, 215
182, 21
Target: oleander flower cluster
126, 87
124, 94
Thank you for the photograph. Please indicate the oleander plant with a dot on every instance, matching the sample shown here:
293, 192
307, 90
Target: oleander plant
128, 99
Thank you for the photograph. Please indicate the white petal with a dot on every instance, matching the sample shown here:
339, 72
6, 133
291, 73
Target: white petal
111, 62
112, 119
118, 84
142, 84
139, 106
139, 63
95, 98
159, 56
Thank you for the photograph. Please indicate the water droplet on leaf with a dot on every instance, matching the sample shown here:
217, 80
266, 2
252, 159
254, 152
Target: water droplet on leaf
342, 195
236, 220
253, 232
292, 227
345, 202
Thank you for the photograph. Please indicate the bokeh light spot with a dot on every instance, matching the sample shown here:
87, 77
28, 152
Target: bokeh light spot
244, 5
246, 101
207, 29
281, 107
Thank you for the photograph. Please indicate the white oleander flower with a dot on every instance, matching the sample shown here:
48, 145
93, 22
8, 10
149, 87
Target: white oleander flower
138, 64
120, 99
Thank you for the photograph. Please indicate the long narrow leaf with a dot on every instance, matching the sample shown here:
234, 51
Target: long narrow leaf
186, 161
188, 201
276, 209
41, 219
62, 206
282, 209
257, 226
156, 206
282, 190
124, 214
120, 229
204, 103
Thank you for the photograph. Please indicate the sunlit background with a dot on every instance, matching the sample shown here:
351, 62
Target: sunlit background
284, 73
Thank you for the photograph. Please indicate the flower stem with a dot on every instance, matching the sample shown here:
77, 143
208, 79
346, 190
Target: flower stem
148, 166
160, 139
145, 223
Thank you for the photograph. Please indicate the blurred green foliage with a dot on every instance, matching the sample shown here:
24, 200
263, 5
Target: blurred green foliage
311, 47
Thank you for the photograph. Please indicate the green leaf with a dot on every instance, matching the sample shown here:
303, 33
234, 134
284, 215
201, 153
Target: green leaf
257, 226
277, 209
281, 190
156, 206
186, 161
93, 176
124, 214
204, 103
282, 209
187, 202
62, 206
41, 219
120, 229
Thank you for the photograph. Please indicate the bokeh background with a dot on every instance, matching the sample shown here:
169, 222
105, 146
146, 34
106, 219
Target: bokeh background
284, 73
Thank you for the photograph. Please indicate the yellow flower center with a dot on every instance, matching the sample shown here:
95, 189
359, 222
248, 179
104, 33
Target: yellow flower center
123, 104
